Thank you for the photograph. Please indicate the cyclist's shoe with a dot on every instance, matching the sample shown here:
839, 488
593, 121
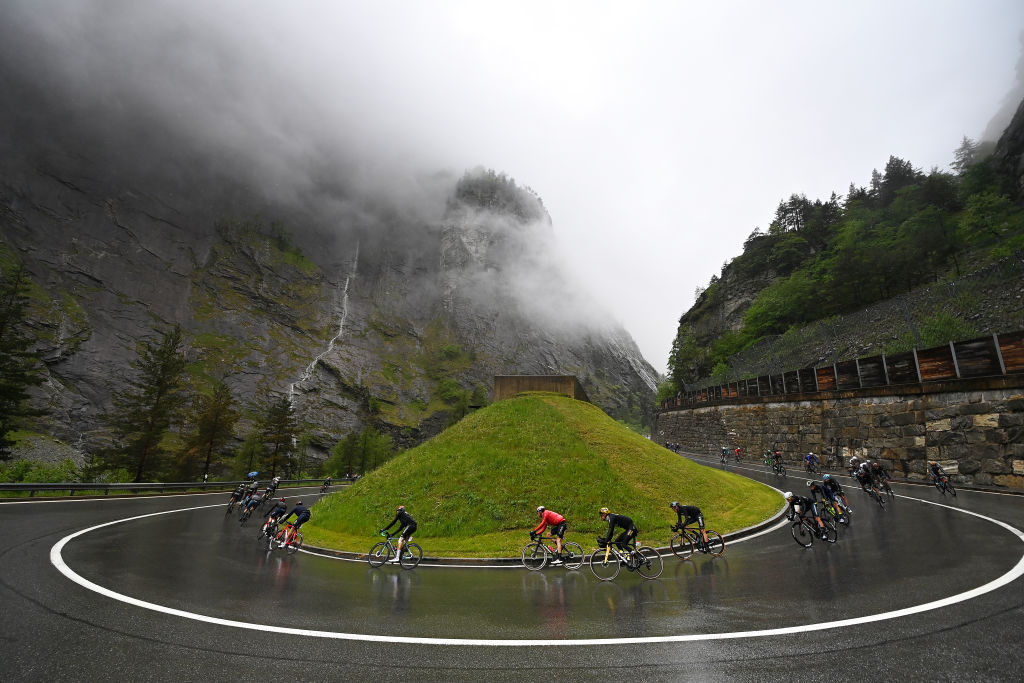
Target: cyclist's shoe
557, 560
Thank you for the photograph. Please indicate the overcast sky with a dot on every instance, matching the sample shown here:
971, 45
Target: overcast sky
659, 134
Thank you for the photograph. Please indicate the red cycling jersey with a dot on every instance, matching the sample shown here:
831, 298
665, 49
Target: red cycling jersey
549, 517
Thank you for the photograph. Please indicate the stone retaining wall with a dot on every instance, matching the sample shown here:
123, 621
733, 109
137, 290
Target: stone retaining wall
974, 429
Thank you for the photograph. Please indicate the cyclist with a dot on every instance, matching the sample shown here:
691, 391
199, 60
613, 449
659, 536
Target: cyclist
558, 526
878, 472
407, 525
725, 453
935, 470
854, 464
692, 514
302, 515
835, 492
238, 493
252, 502
628, 535
776, 458
327, 483
272, 486
279, 509
799, 506
811, 462
738, 453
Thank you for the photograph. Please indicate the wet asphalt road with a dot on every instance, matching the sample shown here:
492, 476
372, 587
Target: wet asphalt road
197, 560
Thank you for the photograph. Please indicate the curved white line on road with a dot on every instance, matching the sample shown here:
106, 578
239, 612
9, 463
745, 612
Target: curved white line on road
58, 562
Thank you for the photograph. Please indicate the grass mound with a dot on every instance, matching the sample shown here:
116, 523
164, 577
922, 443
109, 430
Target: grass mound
473, 489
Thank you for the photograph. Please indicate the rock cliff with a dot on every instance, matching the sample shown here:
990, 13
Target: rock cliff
362, 309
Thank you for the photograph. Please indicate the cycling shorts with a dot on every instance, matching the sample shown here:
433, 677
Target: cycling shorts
408, 531
559, 529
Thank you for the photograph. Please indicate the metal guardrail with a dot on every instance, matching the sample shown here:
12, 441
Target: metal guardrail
137, 487
989, 356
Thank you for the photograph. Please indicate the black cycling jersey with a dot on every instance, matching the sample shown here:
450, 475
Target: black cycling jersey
403, 518
279, 509
623, 522
816, 490
806, 504
833, 486
692, 514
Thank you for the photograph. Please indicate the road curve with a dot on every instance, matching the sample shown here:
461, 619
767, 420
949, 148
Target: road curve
757, 613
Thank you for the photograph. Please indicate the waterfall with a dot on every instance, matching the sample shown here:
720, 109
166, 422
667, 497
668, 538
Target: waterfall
307, 373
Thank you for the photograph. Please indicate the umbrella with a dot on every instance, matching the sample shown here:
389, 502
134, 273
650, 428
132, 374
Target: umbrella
252, 474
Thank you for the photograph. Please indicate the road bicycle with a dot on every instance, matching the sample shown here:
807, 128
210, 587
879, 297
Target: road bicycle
231, 506
875, 495
811, 467
805, 531
267, 533
883, 485
288, 538
685, 542
536, 553
385, 550
837, 514
725, 455
608, 560
737, 455
245, 515
779, 467
943, 485
324, 488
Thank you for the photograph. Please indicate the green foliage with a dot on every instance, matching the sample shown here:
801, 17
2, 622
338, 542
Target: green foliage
39, 472
20, 366
210, 428
904, 230
359, 452
942, 327
146, 409
485, 189
473, 489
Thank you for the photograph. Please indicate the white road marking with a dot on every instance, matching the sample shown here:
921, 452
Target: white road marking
58, 561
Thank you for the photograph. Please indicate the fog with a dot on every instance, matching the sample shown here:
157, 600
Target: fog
659, 134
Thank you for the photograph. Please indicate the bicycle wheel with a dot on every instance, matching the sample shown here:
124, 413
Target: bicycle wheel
379, 554
650, 562
572, 555
716, 545
831, 531
782, 470
878, 498
535, 556
803, 534
411, 556
604, 566
682, 546
231, 507
952, 490
279, 538
295, 544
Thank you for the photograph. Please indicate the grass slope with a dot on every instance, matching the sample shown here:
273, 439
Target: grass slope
474, 488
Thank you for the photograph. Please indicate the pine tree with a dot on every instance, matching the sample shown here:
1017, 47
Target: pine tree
20, 368
152, 402
213, 420
279, 432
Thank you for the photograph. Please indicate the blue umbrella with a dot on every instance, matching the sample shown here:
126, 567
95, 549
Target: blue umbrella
252, 474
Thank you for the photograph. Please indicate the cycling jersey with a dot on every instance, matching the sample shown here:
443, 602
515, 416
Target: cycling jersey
806, 505
405, 522
278, 510
623, 522
833, 486
301, 513
254, 501
549, 517
692, 514
816, 490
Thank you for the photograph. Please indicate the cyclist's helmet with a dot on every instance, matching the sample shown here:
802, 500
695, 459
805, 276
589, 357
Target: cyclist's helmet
673, 504
875, 464
810, 484
788, 495
603, 511
282, 500
827, 477
540, 508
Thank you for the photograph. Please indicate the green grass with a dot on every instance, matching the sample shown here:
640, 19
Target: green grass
474, 488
